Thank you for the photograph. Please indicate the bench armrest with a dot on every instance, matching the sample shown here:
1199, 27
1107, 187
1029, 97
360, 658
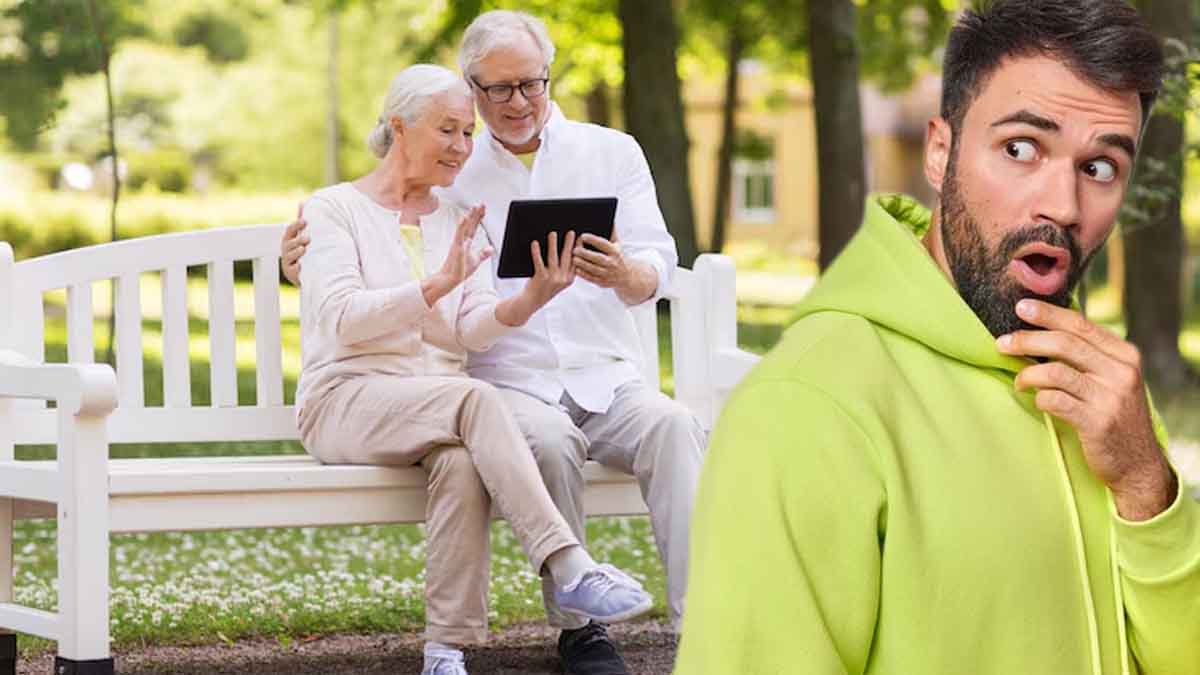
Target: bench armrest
79, 389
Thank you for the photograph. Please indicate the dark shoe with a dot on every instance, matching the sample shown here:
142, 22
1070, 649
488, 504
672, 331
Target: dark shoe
588, 651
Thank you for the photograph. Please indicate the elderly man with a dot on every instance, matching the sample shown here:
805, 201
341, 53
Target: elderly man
944, 467
571, 375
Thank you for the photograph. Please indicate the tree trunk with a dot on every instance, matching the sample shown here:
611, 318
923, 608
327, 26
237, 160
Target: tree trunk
332, 138
104, 53
1154, 251
833, 53
599, 108
654, 111
729, 108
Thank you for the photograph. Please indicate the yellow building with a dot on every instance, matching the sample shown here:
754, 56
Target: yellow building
774, 198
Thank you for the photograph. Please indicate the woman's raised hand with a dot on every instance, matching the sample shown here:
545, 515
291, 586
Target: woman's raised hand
461, 262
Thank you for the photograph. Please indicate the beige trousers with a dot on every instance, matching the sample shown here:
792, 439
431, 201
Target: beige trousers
461, 432
644, 433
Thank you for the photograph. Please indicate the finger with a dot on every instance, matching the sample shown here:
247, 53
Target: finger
539, 268
1064, 406
589, 268
568, 252
295, 244
297, 224
593, 257
1056, 375
1059, 346
470, 223
293, 255
601, 243
552, 253
1053, 317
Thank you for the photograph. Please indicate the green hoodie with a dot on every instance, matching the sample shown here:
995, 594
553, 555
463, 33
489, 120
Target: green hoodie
879, 499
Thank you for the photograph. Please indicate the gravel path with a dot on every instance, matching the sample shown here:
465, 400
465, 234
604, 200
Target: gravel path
526, 649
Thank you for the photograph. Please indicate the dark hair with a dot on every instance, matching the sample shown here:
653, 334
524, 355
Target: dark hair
1105, 42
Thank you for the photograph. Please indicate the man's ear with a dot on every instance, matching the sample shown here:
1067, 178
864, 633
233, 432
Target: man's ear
397, 127
938, 140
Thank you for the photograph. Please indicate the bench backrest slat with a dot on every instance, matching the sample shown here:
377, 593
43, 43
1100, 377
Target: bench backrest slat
177, 376
80, 338
130, 390
266, 331
646, 318
222, 335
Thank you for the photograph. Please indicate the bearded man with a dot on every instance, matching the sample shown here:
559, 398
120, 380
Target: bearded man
944, 467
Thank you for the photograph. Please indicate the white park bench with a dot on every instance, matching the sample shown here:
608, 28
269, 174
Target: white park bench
92, 496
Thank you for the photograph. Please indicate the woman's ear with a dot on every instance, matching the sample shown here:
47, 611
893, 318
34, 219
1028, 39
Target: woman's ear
397, 127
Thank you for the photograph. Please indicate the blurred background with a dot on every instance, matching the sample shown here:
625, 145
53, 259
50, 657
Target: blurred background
766, 123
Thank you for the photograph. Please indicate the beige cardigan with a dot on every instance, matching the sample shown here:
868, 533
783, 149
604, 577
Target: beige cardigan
361, 308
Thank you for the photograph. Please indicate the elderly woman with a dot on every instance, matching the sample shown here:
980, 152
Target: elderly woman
392, 299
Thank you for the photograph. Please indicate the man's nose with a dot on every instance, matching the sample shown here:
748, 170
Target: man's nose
1058, 200
518, 103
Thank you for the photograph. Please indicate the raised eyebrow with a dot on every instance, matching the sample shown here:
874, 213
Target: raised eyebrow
1029, 118
1120, 141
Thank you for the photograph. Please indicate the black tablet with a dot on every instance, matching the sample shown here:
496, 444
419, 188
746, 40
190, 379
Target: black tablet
532, 220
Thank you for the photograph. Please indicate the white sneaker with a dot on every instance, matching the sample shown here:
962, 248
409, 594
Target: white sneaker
444, 662
604, 593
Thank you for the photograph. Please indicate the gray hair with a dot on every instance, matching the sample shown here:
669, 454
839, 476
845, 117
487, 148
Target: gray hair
501, 28
408, 97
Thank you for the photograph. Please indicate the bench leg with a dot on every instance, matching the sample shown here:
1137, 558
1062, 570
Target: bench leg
8, 654
95, 667
8, 641
83, 611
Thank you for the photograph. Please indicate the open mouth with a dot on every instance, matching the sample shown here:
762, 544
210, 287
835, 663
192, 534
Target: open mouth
1041, 268
449, 164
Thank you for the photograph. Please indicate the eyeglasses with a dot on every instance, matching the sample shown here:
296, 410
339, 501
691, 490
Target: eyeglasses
503, 93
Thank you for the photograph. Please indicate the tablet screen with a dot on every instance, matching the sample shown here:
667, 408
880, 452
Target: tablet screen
532, 220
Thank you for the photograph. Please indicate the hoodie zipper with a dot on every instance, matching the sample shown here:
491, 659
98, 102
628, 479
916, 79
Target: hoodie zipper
1081, 560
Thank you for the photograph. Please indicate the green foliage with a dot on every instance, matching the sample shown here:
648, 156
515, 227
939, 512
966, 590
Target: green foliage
44, 222
50, 41
752, 145
899, 38
1156, 183
222, 38
168, 169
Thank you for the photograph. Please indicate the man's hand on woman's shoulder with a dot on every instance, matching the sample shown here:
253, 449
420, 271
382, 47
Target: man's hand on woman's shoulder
292, 247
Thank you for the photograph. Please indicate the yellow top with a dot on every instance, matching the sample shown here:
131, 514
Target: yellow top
527, 159
410, 237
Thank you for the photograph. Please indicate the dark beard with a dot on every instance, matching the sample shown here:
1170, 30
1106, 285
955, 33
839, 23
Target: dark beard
981, 275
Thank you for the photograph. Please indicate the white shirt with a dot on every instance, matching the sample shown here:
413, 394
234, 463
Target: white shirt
584, 341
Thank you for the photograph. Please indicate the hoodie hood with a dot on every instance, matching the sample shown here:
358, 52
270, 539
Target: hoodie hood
887, 276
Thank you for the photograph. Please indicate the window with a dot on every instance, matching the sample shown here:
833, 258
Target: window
754, 191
